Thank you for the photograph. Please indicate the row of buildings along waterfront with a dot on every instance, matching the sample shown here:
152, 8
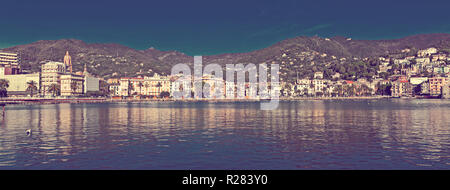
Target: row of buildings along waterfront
400, 86
426, 74
164, 86
55, 78
59, 79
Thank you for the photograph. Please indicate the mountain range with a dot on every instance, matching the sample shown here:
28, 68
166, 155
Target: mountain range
296, 55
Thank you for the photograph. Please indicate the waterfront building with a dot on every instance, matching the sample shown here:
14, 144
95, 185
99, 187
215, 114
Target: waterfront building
72, 84
446, 91
214, 87
230, 90
302, 88
401, 88
251, 90
114, 89
51, 74
18, 83
91, 83
180, 83
147, 86
129, 86
9, 63
318, 85
154, 86
436, 84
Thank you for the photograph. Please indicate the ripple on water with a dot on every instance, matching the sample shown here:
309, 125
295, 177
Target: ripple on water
375, 134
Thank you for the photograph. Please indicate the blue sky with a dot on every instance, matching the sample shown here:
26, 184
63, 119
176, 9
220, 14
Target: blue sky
202, 27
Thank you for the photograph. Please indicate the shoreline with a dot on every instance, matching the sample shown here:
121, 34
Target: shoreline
4, 101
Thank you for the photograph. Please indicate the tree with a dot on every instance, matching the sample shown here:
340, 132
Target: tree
417, 89
140, 85
146, 85
384, 89
130, 87
4, 84
158, 85
164, 94
54, 89
319, 93
104, 88
365, 90
384, 75
325, 91
305, 91
349, 90
31, 87
74, 86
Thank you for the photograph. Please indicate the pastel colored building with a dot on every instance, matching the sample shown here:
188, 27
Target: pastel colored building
72, 84
18, 84
51, 73
436, 84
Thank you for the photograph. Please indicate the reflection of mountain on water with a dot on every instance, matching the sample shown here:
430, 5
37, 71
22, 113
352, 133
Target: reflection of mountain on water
349, 133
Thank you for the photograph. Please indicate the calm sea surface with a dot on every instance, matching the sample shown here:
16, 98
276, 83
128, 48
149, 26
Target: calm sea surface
338, 134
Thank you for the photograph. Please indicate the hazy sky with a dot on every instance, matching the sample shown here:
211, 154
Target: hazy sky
210, 26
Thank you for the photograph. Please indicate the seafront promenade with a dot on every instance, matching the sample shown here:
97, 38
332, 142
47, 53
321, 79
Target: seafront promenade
47, 100
28, 100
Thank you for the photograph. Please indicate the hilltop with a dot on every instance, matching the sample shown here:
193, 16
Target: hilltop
297, 56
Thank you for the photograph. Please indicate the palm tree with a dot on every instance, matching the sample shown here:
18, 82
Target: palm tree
130, 87
305, 91
4, 84
325, 91
146, 85
54, 89
350, 90
159, 85
140, 85
31, 87
312, 86
338, 90
74, 87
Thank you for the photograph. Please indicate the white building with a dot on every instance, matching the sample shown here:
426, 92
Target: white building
426, 52
51, 74
71, 84
91, 84
18, 84
417, 80
318, 75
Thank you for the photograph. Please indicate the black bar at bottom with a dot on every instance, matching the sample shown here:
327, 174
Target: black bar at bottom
223, 179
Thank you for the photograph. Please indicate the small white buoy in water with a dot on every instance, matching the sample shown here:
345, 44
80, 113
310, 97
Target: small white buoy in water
28, 131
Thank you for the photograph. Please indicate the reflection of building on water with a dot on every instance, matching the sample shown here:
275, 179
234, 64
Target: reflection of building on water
314, 126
